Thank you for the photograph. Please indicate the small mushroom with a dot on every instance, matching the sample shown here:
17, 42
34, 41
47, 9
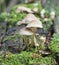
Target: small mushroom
43, 39
42, 13
35, 9
52, 15
46, 19
23, 9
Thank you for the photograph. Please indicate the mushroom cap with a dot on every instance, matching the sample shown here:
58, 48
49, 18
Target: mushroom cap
52, 13
23, 9
42, 13
25, 31
46, 19
29, 18
35, 24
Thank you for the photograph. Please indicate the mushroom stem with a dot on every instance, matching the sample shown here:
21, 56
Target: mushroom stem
26, 41
32, 40
34, 32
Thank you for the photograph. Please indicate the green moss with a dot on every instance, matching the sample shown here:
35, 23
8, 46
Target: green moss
29, 6
14, 17
54, 46
26, 58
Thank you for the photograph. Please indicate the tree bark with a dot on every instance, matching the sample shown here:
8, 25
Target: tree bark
56, 25
43, 2
11, 4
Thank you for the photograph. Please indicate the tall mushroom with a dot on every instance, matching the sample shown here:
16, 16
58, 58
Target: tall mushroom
33, 25
25, 32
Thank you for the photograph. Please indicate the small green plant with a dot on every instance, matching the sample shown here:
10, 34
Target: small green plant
54, 46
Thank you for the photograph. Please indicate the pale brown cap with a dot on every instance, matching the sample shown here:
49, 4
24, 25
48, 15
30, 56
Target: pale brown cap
30, 18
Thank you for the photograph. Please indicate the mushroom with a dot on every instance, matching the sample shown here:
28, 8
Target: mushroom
23, 9
52, 15
42, 13
28, 19
33, 25
43, 39
46, 19
35, 9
